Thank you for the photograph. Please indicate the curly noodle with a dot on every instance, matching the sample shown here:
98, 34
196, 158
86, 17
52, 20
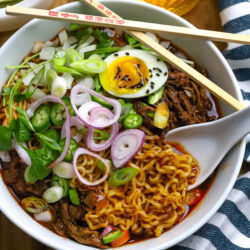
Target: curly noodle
152, 201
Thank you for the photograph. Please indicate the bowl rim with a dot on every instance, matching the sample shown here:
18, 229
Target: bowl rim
23, 3
240, 155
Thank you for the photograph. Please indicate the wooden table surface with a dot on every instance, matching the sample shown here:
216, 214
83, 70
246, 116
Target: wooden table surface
205, 15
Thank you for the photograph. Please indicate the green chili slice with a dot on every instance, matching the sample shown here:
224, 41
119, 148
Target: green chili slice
72, 148
53, 134
40, 120
132, 121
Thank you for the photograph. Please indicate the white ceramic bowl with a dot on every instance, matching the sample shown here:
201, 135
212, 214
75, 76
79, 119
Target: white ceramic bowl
204, 53
14, 22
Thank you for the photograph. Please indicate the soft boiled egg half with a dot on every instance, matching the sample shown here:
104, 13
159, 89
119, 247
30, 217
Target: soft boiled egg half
133, 74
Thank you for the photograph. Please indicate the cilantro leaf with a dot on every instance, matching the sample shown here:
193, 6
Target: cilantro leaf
19, 97
20, 131
40, 159
5, 135
103, 39
51, 143
130, 40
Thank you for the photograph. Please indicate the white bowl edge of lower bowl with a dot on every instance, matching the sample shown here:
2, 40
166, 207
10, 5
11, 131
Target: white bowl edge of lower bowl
20, 45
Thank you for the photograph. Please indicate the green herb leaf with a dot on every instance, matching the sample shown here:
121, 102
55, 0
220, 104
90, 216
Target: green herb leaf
51, 143
25, 119
15, 72
40, 159
19, 130
19, 97
103, 39
5, 135
102, 51
81, 33
74, 26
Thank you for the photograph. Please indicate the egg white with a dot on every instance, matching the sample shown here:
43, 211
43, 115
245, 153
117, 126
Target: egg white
158, 72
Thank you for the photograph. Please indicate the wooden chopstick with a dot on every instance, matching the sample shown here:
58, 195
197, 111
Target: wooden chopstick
171, 58
149, 42
131, 25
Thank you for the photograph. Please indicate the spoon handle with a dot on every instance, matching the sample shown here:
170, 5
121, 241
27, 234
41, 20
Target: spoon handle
236, 125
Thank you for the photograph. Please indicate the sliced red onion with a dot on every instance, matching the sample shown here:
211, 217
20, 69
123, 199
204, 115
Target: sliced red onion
75, 122
100, 116
24, 156
51, 98
116, 106
82, 98
89, 138
81, 151
126, 145
107, 230
84, 111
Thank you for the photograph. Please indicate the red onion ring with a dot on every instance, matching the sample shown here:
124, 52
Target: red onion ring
51, 98
107, 230
126, 145
84, 110
89, 140
74, 122
24, 156
81, 151
116, 105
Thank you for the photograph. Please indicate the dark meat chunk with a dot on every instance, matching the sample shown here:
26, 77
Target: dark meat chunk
14, 177
142, 110
76, 212
81, 234
187, 101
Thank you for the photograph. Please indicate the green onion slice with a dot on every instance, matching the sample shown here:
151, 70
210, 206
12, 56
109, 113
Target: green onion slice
34, 204
112, 236
60, 58
122, 176
89, 66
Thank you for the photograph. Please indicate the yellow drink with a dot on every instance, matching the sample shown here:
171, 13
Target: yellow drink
179, 7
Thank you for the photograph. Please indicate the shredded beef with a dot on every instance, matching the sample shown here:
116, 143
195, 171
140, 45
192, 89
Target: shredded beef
187, 102
81, 234
13, 176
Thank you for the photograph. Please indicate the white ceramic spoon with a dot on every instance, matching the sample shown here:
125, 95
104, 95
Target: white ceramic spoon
209, 142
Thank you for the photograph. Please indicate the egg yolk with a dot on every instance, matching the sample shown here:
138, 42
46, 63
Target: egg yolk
125, 75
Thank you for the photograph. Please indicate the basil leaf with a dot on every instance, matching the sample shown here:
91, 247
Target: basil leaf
20, 131
35, 82
52, 144
25, 119
5, 135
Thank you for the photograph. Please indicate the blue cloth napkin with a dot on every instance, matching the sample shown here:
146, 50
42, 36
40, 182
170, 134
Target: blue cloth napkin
229, 228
